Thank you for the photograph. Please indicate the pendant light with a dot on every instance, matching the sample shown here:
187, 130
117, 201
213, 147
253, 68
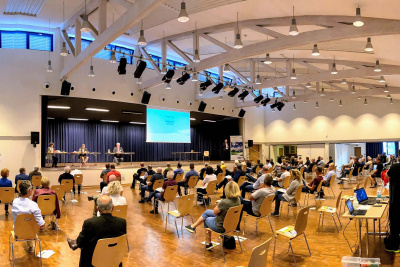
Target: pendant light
293, 73
195, 77
389, 96
49, 68
316, 105
294, 94
331, 99
168, 86
113, 59
353, 90
64, 51
227, 68
142, 40
365, 102
267, 60
334, 70
377, 67
294, 106
308, 85
386, 89
200, 93
359, 98
85, 25
391, 101
91, 72
343, 81
358, 22
305, 101
322, 93
183, 15
293, 31
163, 69
340, 103
368, 46
238, 40
382, 79
315, 51
258, 79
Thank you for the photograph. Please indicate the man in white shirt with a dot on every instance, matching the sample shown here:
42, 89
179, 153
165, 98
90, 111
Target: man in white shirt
250, 187
279, 180
23, 205
329, 174
321, 163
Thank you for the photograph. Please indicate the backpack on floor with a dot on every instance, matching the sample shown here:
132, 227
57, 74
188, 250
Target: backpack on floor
229, 242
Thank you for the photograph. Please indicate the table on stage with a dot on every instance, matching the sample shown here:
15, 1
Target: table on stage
373, 213
63, 154
74, 154
125, 153
185, 155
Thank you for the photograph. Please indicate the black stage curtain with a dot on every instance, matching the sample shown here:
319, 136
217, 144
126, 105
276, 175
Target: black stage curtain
99, 137
373, 149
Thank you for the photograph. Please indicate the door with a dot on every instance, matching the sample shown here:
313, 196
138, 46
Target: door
357, 152
281, 151
254, 153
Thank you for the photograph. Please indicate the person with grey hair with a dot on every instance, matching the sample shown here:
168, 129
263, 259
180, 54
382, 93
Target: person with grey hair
95, 228
149, 187
23, 205
159, 195
67, 176
34, 172
118, 151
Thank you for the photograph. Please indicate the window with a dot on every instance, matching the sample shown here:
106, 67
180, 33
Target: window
26, 40
389, 148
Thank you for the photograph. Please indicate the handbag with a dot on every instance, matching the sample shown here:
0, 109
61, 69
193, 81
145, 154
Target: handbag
229, 242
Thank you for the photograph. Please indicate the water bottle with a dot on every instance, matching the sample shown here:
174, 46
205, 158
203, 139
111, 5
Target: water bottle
378, 194
355, 201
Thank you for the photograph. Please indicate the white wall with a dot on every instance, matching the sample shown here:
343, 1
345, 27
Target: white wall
254, 125
311, 151
343, 152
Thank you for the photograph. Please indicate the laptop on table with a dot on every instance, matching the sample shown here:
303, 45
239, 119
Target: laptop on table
363, 199
352, 211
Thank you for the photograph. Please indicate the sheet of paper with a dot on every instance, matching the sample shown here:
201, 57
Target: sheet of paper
364, 207
46, 254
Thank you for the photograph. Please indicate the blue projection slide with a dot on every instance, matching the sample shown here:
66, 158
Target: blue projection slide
167, 126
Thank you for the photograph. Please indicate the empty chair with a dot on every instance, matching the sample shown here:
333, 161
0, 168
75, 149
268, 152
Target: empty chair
79, 180
259, 255
206, 154
185, 207
332, 211
109, 251
299, 228
265, 211
25, 229
120, 211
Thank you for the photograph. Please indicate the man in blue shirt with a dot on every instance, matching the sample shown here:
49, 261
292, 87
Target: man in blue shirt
21, 176
4, 182
178, 170
185, 181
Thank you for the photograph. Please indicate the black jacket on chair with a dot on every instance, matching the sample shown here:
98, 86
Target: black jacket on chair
93, 229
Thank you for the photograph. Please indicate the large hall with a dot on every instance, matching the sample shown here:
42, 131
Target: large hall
199, 133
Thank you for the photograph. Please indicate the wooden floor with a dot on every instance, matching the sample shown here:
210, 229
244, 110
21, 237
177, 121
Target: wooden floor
150, 244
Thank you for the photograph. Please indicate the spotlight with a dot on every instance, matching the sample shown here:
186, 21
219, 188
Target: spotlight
185, 76
204, 85
274, 105
265, 101
243, 95
183, 15
141, 66
168, 77
315, 51
280, 106
258, 99
233, 92
358, 22
218, 88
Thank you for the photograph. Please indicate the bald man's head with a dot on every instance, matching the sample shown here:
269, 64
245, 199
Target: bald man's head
112, 178
104, 204
159, 170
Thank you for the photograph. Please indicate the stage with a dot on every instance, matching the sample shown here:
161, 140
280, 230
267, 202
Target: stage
91, 173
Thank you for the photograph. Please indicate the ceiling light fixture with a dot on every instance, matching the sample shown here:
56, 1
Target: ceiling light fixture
267, 60
265, 101
192, 119
258, 99
209, 121
391, 101
163, 69
359, 98
85, 25
305, 101
322, 93
382, 79
200, 93
233, 92
91, 71
113, 59
227, 68
238, 40
331, 99
358, 22
77, 119
293, 31
377, 67
316, 105
109, 121
340, 103
294, 94
334, 70
196, 56
365, 102
49, 68
243, 95
195, 77
142, 40
315, 51
258, 79
135, 122
344, 81
386, 89
388, 96
294, 106
353, 90
183, 15
308, 85
368, 46
58, 107
64, 51
97, 109
293, 73
168, 86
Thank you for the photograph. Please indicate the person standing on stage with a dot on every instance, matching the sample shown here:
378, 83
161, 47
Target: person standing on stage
51, 150
82, 154
226, 150
117, 153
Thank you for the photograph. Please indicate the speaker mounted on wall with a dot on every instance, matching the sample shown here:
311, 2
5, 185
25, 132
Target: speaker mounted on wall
168, 76
250, 143
35, 138
122, 66
202, 106
65, 87
241, 113
146, 97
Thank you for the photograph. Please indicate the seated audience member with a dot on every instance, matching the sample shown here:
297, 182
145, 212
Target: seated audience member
268, 163
218, 170
311, 166
113, 171
321, 162
329, 174
21, 177
203, 171
178, 170
143, 180
376, 173
159, 195
223, 165
243, 163
289, 194
45, 190
114, 191
210, 176
272, 162
95, 228
237, 173
392, 160
149, 186
166, 170
23, 205
383, 158
280, 159
347, 166
34, 172
250, 187
329, 162
253, 205
356, 166
136, 176
277, 172
112, 178
311, 187
308, 162
102, 174
67, 176
278, 182
368, 164
214, 219
4, 182
73, 173
185, 181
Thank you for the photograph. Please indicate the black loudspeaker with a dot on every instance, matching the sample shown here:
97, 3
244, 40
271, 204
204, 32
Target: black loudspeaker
122, 66
141, 66
202, 106
168, 76
34, 138
241, 113
146, 97
65, 88
250, 143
